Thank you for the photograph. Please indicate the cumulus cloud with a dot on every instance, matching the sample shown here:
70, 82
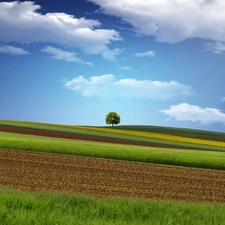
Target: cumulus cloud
9, 49
171, 20
22, 22
107, 86
145, 54
59, 54
216, 47
186, 112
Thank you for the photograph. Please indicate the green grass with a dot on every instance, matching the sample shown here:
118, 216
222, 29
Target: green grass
21, 208
112, 136
190, 158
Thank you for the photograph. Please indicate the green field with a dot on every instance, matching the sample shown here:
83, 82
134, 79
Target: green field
57, 208
128, 138
21, 208
190, 158
155, 129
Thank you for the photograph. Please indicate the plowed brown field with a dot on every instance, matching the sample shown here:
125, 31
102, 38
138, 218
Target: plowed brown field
100, 177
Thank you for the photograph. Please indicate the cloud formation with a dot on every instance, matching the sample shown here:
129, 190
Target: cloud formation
216, 47
171, 20
145, 54
127, 68
186, 112
32, 26
9, 49
59, 54
223, 99
107, 86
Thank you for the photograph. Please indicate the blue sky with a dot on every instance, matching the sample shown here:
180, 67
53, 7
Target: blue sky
154, 62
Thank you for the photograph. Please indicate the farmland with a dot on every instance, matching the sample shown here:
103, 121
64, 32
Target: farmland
182, 168
190, 158
100, 178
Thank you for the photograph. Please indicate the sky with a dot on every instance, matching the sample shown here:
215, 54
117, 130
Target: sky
154, 62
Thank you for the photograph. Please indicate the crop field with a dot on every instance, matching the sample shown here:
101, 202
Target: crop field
202, 134
168, 166
100, 177
118, 135
166, 137
189, 158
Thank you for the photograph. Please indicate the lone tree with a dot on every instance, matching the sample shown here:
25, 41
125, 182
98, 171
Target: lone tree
112, 118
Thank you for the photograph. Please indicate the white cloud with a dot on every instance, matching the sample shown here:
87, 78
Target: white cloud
223, 99
59, 54
145, 54
9, 49
128, 68
171, 20
186, 112
107, 86
216, 47
21, 22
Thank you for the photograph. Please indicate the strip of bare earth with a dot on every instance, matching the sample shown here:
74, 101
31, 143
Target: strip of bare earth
100, 177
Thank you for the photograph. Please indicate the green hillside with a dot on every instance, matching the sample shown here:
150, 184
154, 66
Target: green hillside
129, 138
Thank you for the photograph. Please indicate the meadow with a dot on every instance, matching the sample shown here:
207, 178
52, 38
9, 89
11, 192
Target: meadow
22, 208
177, 150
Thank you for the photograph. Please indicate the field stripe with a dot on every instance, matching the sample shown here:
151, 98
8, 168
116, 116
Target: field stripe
78, 136
173, 131
101, 131
100, 178
189, 158
165, 137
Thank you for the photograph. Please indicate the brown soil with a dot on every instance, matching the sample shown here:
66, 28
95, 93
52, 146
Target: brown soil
100, 177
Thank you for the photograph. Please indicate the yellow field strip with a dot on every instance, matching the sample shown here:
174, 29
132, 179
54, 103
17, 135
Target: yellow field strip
165, 137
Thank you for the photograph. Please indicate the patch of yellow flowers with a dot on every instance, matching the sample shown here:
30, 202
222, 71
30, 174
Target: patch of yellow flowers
165, 137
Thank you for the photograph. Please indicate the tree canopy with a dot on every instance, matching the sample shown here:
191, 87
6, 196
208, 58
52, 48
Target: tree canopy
112, 118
